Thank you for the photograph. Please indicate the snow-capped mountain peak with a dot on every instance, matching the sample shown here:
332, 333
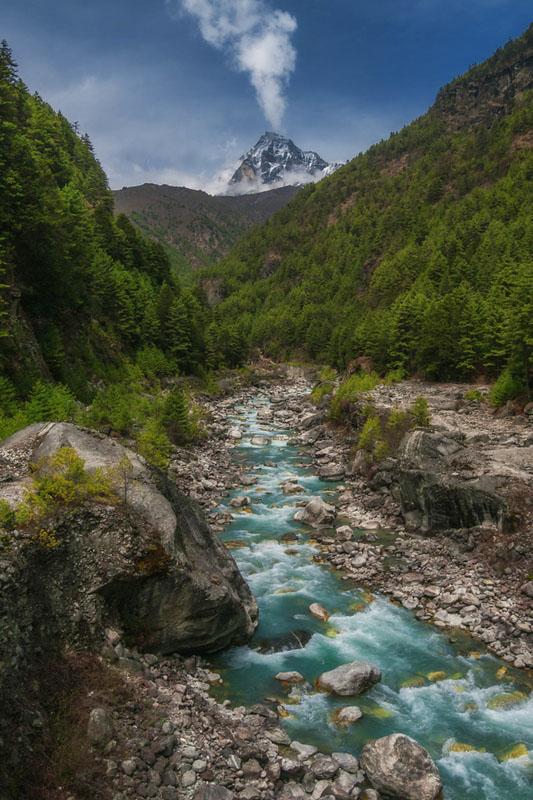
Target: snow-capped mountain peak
276, 161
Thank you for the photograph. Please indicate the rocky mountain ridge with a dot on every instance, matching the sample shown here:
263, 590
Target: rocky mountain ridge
275, 160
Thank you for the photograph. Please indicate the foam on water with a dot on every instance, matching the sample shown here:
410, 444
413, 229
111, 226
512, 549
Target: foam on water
431, 690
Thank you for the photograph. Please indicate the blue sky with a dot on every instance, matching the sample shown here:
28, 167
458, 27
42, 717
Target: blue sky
174, 91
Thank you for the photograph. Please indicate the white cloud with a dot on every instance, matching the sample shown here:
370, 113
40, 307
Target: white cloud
258, 40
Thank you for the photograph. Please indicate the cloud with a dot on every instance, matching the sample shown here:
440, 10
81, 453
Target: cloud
258, 40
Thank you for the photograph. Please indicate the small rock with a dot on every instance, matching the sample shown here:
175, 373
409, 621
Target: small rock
290, 677
100, 726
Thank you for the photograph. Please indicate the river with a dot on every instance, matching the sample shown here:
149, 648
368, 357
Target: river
471, 711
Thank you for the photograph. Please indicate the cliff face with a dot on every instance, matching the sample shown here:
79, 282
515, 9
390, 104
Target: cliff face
484, 95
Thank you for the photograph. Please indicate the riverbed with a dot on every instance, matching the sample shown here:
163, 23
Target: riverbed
471, 711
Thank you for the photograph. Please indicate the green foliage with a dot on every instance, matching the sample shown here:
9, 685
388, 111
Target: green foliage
507, 387
153, 363
61, 480
420, 413
474, 394
112, 407
7, 516
350, 388
49, 402
176, 417
154, 444
370, 434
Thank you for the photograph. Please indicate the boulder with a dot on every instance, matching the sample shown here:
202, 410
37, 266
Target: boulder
291, 487
347, 715
234, 433
433, 494
149, 566
319, 611
316, 513
289, 677
349, 680
100, 727
239, 501
399, 767
260, 441
331, 472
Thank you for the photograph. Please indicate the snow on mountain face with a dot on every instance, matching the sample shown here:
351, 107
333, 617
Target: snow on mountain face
277, 161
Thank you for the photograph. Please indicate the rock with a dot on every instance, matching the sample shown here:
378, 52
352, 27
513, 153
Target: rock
347, 715
399, 767
294, 640
349, 680
292, 488
316, 513
154, 567
234, 433
260, 441
248, 480
432, 498
304, 751
319, 611
346, 761
344, 533
251, 768
311, 420
188, 778
324, 767
290, 677
100, 727
239, 501
527, 589
212, 791
331, 472
129, 766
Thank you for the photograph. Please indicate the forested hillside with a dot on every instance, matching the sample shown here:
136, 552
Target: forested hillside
418, 253
194, 228
87, 299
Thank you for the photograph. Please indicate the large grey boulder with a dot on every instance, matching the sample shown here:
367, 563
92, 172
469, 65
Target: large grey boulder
399, 767
316, 513
439, 489
349, 680
150, 566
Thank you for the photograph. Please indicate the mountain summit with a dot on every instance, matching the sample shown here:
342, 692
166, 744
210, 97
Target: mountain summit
277, 161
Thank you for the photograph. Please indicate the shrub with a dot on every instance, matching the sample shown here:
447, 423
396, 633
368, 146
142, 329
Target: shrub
350, 388
112, 407
420, 413
507, 387
7, 516
176, 417
154, 445
370, 434
152, 362
475, 394
394, 376
61, 480
49, 401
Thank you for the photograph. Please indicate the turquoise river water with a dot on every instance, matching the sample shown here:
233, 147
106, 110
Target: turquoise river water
473, 702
